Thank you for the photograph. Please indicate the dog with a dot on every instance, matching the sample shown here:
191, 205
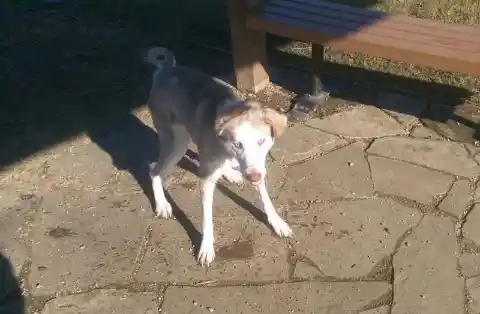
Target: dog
233, 138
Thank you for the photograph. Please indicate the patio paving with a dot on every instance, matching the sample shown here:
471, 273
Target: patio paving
384, 211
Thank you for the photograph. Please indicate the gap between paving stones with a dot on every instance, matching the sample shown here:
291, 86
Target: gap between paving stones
199, 303
423, 166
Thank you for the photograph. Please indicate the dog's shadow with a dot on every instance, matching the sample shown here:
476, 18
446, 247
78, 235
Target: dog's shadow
133, 146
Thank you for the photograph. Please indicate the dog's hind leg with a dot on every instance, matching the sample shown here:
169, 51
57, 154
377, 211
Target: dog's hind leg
174, 141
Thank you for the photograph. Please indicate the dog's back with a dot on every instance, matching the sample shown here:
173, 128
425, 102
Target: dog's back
185, 96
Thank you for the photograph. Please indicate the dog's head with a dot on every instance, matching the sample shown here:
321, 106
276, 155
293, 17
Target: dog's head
248, 131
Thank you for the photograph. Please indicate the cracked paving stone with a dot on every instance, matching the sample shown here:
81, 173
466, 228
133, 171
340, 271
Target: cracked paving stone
243, 245
307, 297
393, 177
403, 107
348, 238
426, 279
301, 142
360, 122
470, 227
103, 302
458, 198
342, 173
470, 264
79, 246
450, 157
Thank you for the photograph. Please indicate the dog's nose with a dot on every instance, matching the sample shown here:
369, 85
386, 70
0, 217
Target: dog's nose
254, 176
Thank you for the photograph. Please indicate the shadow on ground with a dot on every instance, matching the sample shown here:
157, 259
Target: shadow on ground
77, 66
11, 298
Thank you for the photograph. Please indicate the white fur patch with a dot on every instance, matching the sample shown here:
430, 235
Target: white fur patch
256, 142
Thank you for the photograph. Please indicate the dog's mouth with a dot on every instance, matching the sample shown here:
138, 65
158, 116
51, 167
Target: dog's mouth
256, 183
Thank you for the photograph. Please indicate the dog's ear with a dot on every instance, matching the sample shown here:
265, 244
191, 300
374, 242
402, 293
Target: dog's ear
226, 115
277, 121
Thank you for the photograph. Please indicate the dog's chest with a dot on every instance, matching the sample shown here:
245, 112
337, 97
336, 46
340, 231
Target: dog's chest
232, 164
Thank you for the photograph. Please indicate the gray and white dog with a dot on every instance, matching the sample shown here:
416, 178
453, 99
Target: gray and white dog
233, 137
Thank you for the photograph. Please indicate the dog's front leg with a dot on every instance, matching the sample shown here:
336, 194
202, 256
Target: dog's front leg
278, 224
206, 254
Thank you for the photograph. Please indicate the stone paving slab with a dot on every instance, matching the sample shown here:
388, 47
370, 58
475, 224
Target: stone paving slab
392, 177
104, 302
473, 289
458, 198
244, 246
15, 225
471, 228
450, 157
77, 247
378, 310
424, 132
349, 239
404, 108
470, 264
458, 123
426, 279
361, 122
311, 297
300, 142
339, 174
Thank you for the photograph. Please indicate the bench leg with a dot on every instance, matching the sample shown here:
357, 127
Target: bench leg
304, 106
248, 48
317, 67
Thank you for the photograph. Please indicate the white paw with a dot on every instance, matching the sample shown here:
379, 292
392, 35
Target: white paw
163, 209
233, 176
281, 228
206, 254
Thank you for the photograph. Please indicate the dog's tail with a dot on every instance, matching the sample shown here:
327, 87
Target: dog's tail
164, 66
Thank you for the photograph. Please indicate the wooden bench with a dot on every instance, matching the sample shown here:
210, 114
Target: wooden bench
448, 47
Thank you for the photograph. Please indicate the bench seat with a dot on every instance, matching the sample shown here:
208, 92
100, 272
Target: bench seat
423, 42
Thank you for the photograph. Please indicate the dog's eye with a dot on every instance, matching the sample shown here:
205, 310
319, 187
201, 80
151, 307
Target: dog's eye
238, 145
261, 141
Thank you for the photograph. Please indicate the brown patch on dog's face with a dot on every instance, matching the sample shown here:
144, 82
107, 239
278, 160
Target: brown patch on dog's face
230, 117
277, 121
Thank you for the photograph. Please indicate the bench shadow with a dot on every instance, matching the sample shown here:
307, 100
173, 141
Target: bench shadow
12, 300
363, 86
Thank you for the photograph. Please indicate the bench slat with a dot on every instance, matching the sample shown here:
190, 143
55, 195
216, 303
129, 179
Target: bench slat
445, 32
362, 42
381, 28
